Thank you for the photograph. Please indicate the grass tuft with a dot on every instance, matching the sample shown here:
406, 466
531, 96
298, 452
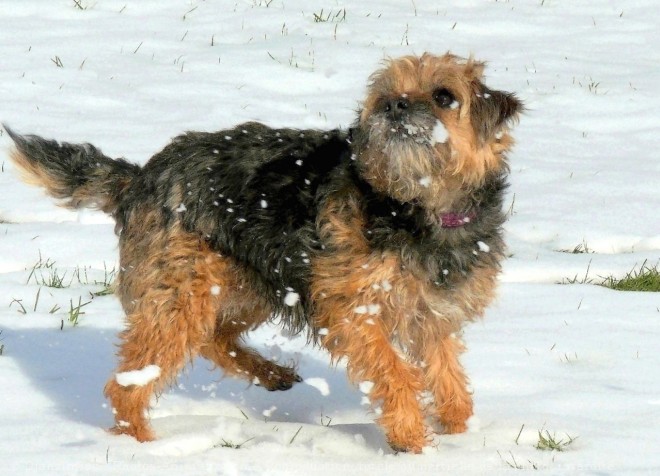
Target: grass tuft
329, 16
22, 309
646, 278
577, 280
229, 444
511, 463
75, 311
185, 15
107, 282
44, 273
294, 436
548, 442
579, 249
79, 5
326, 420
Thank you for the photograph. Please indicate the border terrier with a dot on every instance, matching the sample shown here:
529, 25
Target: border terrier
380, 241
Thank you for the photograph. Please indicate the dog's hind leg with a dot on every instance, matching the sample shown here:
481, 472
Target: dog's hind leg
228, 353
163, 334
240, 311
171, 307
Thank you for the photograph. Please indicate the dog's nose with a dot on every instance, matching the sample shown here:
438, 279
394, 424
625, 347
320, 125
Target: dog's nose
397, 107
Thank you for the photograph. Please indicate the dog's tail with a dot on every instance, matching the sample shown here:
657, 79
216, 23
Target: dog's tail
79, 174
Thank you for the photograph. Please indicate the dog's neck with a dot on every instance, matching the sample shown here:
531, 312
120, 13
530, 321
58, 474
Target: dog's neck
386, 205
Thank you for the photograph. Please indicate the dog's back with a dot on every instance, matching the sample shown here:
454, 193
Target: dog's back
252, 193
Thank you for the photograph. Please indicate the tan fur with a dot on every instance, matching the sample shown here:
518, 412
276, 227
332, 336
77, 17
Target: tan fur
87, 195
33, 174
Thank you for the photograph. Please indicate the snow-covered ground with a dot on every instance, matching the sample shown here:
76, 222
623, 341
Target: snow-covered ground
578, 361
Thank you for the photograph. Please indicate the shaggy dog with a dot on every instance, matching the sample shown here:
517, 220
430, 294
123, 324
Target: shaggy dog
381, 241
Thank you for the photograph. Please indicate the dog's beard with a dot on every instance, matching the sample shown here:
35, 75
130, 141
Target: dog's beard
404, 155
414, 129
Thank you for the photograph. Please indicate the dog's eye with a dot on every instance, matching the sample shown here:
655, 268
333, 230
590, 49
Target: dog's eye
444, 98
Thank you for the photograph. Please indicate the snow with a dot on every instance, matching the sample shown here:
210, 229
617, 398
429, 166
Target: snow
291, 298
439, 133
483, 247
320, 384
366, 386
138, 377
576, 360
367, 309
268, 412
425, 181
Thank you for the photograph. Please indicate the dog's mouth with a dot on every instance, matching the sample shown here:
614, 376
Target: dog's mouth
406, 130
420, 129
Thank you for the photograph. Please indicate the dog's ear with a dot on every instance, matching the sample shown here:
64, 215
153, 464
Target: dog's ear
490, 111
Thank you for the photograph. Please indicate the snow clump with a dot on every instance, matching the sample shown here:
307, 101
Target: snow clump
369, 309
291, 298
366, 386
439, 133
138, 377
320, 384
483, 247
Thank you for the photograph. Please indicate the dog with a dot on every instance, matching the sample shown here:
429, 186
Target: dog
380, 241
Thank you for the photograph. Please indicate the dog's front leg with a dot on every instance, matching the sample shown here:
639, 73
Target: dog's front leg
383, 375
447, 381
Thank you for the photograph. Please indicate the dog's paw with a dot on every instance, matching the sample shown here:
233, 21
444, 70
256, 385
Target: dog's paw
278, 378
142, 433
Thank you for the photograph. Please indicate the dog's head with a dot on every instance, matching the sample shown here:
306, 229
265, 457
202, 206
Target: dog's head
429, 123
